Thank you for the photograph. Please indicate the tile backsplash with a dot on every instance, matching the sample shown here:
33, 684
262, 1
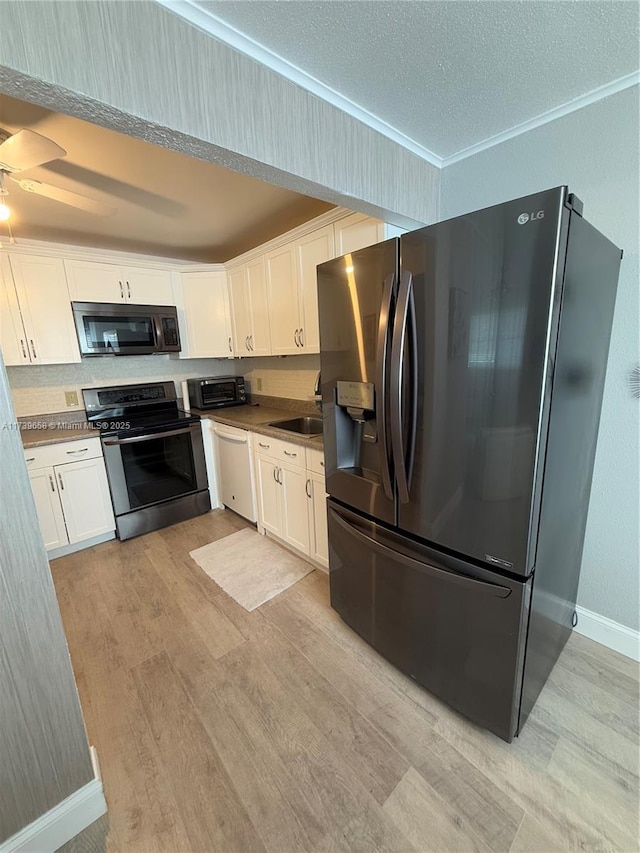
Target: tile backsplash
40, 389
292, 377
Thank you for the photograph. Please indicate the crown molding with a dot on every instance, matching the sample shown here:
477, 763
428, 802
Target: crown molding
619, 85
190, 11
224, 32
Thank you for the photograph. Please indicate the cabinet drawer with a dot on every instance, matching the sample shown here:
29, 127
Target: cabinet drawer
315, 461
61, 454
282, 451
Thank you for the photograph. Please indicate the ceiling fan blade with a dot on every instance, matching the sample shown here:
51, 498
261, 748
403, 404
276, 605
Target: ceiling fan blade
91, 205
26, 149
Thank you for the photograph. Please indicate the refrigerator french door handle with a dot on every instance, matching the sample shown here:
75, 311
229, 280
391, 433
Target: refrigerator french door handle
381, 384
481, 586
404, 333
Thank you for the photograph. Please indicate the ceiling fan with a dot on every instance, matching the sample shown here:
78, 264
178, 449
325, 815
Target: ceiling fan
27, 149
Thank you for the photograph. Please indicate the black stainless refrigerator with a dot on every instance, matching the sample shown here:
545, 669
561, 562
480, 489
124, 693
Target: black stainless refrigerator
462, 369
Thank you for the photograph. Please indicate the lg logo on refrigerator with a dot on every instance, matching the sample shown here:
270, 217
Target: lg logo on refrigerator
526, 217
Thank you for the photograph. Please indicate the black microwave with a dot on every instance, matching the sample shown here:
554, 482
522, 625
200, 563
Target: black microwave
216, 392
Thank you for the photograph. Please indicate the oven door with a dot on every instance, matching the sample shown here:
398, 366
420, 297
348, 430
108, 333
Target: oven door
149, 469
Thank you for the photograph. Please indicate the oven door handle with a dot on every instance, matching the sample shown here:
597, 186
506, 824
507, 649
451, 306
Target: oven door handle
110, 443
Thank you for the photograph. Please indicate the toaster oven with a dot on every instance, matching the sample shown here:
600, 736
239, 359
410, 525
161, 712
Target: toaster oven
217, 392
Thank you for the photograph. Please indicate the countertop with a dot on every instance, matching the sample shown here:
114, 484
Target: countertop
39, 430
52, 429
257, 418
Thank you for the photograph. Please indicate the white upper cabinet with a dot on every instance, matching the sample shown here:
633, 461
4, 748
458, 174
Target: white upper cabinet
47, 333
314, 249
12, 335
250, 309
206, 330
259, 307
357, 232
240, 310
90, 281
282, 287
147, 286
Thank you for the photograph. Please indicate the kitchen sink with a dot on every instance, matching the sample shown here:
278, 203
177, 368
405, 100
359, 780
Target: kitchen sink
303, 426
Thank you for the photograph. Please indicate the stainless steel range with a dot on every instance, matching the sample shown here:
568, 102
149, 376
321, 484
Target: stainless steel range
154, 456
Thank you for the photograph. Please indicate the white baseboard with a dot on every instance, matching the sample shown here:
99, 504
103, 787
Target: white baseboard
61, 823
607, 632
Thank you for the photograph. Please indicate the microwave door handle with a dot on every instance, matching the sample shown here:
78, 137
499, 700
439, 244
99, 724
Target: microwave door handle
157, 325
112, 442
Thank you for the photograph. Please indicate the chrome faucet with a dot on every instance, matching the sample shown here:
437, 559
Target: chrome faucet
317, 392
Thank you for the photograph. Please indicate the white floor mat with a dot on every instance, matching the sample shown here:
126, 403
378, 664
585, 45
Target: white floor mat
249, 567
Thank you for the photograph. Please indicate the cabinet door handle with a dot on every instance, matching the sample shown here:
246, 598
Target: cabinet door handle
30, 459
280, 476
121, 290
286, 453
295, 338
33, 348
260, 444
128, 291
230, 347
74, 452
301, 337
60, 481
53, 485
275, 475
246, 342
307, 488
25, 354
251, 342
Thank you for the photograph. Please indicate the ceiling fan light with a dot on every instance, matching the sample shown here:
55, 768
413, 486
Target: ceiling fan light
5, 212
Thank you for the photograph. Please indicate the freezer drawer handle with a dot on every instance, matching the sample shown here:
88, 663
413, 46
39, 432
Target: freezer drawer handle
462, 580
381, 384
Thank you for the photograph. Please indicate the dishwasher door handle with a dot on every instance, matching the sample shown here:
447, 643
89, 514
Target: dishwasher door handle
228, 436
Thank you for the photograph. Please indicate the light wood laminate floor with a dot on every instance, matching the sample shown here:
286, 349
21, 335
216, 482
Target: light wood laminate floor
280, 730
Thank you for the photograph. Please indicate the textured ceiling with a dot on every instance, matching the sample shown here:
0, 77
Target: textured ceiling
448, 74
167, 204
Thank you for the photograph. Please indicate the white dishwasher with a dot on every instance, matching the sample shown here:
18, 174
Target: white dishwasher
235, 470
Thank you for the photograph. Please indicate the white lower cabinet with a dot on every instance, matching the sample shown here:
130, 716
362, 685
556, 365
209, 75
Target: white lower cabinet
48, 507
71, 492
291, 495
269, 499
295, 520
85, 499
